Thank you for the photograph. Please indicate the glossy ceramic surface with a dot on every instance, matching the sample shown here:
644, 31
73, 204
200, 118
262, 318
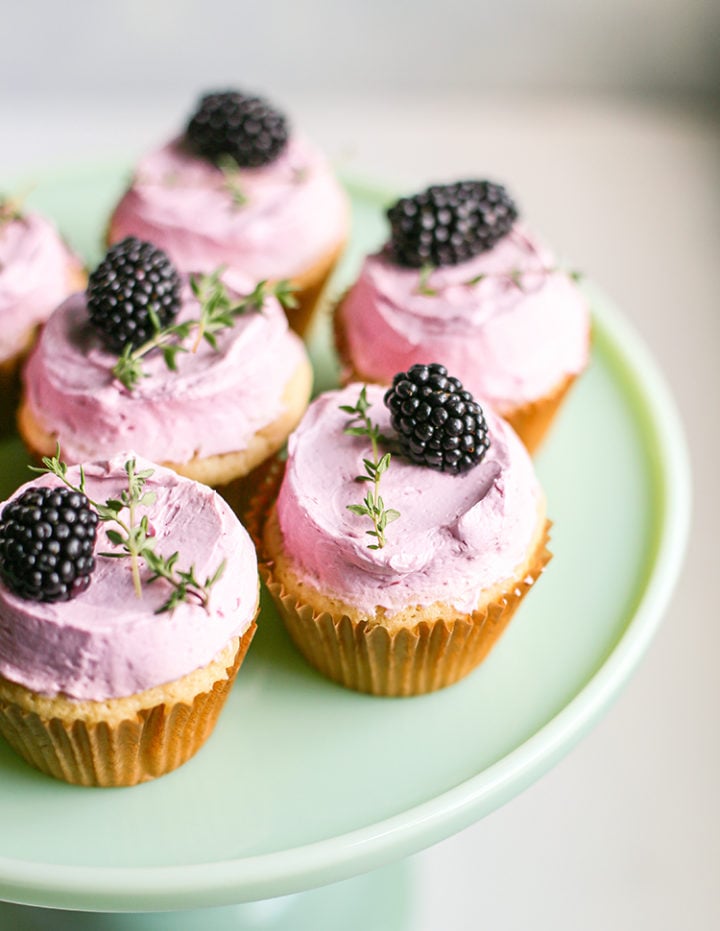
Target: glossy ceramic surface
305, 783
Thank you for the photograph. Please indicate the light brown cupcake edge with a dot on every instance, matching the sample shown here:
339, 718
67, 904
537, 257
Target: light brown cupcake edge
123, 741
217, 470
11, 367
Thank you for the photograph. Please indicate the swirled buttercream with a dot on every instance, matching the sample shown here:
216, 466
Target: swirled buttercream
455, 537
288, 216
37, 272
508, 323
214, 403
106, 642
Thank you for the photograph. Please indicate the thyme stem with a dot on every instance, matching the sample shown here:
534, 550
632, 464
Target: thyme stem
130, 468
136, 539
373, 505
217, 312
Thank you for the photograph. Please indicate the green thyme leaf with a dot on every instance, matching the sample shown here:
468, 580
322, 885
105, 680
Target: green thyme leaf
134, 538
218, 312
423, 285
232, 180
516, 276
373, 505
285, 292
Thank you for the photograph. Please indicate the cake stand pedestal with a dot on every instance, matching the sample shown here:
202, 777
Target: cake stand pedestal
380, 900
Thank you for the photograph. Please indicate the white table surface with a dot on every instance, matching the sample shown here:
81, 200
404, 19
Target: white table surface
625, 832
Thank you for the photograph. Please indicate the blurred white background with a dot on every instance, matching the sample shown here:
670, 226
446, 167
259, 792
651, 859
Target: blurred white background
286, 47
603, 119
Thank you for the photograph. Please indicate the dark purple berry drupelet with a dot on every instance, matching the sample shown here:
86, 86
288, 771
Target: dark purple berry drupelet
133, 281
246, 128
438, 423
47, 538
449, 223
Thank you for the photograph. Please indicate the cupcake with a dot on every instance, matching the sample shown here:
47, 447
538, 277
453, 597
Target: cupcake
128, 598
400, 583
190, 373
238, 188
464, 281
37, 272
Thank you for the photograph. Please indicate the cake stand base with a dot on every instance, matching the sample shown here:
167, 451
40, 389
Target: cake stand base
379, 900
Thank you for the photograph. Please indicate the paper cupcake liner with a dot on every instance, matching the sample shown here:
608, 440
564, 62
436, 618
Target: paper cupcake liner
241, 492
152, 743
532, 421
10, 382
342, 349
310, 285
366, 656
9, 394
259, 506
410, 661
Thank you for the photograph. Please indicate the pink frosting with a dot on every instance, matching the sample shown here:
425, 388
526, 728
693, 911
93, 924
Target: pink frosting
36, 269
106, 642
214, 403
294, 213
507, 341
456, 535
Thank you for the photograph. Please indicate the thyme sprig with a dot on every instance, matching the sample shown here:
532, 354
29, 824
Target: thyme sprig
135, 538
217, 312
232, 180
513, 275
373, 505
423, 283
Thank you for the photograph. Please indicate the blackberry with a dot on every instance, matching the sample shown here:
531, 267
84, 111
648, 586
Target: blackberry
449, 223
47, 536
438, 423
133, 277
246, 128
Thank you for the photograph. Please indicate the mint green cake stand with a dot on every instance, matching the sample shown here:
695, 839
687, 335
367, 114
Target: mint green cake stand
305, 784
